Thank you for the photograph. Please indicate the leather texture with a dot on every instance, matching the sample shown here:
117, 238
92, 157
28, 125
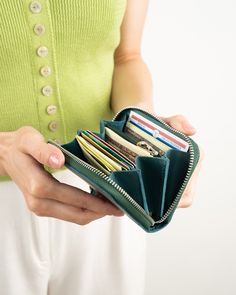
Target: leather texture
155, 185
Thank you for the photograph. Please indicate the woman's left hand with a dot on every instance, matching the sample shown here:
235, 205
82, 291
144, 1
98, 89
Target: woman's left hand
180, 123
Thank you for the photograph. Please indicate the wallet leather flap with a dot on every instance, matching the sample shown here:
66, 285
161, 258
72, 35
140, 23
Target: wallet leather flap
154, 172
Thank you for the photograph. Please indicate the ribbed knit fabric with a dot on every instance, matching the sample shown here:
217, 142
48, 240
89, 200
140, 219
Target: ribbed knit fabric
81, 36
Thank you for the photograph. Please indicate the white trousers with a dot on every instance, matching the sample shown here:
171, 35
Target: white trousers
40, 255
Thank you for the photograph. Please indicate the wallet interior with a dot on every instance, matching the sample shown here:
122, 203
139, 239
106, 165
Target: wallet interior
155, 181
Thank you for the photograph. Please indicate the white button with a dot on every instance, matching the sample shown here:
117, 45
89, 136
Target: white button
45, 71
51, 109
35, 7
53, 126
47, 90
42, 51
39, 29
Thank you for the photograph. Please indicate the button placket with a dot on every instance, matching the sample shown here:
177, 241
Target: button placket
40, 26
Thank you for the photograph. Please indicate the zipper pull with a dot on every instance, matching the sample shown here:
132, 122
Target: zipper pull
143, 144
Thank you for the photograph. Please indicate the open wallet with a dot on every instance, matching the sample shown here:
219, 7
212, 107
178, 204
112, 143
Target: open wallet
138, 162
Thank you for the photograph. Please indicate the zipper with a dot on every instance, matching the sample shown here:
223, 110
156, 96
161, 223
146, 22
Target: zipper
191, 160
109, 180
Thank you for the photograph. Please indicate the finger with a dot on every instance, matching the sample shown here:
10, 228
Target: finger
180, 123
33, 143
102, 197
55, 209
188, 195
71, 195
42, 185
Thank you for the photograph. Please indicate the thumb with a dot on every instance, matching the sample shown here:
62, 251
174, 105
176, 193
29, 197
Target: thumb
33, 143
180, 123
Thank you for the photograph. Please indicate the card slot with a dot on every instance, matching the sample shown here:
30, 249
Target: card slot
136, 139
123, 116
123, 134
131, 182
119, 125
74, 148
99, 184
154, 177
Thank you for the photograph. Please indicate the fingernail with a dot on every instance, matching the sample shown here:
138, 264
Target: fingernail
54, 160
120, 214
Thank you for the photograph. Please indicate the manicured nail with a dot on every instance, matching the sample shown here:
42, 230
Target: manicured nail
54, 160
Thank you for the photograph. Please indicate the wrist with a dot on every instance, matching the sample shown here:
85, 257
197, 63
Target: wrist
146, 105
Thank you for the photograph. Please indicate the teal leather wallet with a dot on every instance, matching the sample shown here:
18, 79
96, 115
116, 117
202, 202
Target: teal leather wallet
148, 193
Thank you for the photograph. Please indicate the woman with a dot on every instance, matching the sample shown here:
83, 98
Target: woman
65, 65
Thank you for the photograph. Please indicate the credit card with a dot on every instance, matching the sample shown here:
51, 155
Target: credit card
158, 132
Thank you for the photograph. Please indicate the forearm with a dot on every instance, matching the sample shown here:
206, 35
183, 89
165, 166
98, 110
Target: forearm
5, 139
132, 85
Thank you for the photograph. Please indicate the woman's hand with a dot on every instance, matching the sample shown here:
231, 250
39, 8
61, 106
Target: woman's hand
180, 123
22, 156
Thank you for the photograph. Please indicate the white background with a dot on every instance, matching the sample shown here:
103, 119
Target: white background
190, 48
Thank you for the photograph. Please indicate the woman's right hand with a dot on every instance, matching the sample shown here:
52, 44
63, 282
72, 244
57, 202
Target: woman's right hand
22, 156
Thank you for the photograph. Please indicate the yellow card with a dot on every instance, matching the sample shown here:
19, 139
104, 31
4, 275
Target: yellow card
106, 161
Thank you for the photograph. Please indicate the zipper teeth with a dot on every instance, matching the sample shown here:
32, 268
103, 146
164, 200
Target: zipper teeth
190, 167
114, 184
